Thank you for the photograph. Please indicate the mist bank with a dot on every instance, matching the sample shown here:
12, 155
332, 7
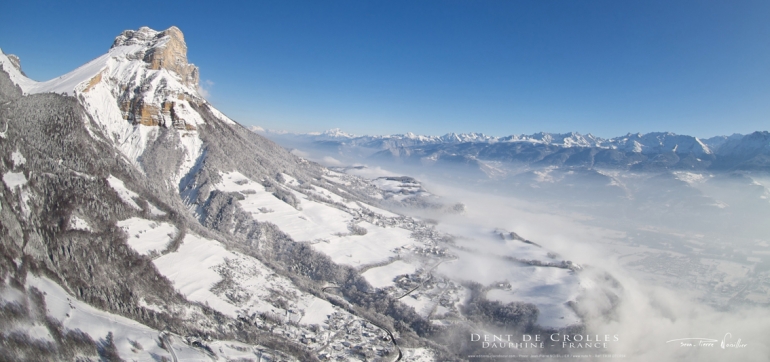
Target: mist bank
652, 314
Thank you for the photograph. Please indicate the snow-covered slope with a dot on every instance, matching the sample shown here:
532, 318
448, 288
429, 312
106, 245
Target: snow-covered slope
659, 142
753, 144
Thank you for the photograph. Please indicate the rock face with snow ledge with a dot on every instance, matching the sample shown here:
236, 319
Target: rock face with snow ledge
161, 50
159, 100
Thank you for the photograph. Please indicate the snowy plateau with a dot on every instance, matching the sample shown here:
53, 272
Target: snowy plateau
138, 222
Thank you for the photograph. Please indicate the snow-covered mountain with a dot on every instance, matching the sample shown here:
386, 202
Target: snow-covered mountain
658, 142
657, 150
411, 139
140, 222
645, 143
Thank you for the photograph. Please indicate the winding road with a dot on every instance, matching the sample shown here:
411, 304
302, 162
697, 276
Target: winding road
164, 337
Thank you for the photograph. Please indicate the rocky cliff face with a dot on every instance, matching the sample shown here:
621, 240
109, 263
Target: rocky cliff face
149, 101
161, 50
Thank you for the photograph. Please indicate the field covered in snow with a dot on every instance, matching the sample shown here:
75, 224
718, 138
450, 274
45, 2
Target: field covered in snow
236, 284
324, 226
145, 235
381, 277
134, 341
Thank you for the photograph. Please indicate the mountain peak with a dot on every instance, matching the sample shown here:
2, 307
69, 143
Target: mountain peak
337, 133
161, 50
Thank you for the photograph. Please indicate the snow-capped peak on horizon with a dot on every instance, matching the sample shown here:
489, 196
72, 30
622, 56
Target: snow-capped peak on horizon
657, 142
573, 137
645, 143
337, 133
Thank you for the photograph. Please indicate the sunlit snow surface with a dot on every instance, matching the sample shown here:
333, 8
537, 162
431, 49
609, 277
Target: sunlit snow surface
205, 263
383, 276
155, 211
145, 235
119, 68
17, 158
124, 193
418, 355
74, 314
13, 179
76, 223
325, 226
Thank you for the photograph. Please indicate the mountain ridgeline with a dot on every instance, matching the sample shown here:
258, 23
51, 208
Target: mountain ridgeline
635, 152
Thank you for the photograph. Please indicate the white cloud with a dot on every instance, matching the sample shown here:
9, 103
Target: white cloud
299, 153
331, 161
204, 89
645, 313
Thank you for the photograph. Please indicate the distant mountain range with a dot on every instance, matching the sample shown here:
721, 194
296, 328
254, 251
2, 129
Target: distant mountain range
658, 150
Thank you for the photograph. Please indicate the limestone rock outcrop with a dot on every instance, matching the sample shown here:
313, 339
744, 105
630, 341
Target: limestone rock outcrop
161, 50
149, 97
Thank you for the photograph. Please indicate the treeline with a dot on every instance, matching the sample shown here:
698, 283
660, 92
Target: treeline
515, 315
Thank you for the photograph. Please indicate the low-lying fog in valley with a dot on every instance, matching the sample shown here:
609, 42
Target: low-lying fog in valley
675, 264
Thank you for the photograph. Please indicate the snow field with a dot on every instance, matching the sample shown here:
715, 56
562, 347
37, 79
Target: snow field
313, 222
382, 277
155, 211
124, 193
17, 158
76, 223
199, 256
418, 355
546, 287
316, 310
13, 179
319, 221
74, 314
145, 235
251, 282
421, 303
376, 246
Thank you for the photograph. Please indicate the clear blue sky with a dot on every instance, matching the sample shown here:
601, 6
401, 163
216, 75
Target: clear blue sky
431, 67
